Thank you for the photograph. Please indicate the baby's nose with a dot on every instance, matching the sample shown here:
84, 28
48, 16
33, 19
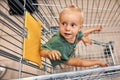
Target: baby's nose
68, 27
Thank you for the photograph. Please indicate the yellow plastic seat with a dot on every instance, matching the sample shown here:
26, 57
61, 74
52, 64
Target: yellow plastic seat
32, 42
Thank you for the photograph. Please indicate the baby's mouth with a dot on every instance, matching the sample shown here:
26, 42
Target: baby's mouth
67, 33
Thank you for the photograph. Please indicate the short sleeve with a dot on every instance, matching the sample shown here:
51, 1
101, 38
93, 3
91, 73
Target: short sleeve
56, 43
80, 34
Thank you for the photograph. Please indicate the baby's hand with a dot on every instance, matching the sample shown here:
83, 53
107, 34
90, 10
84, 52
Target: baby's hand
99, 28
54, 55
103, 64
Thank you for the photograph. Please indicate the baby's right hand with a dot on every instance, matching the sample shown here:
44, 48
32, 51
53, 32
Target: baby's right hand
54, 55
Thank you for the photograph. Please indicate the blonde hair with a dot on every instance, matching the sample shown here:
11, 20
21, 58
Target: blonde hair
73, 9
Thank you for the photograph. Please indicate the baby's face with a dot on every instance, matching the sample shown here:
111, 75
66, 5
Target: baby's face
70, 25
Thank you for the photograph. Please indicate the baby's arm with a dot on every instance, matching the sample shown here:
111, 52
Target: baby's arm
86, 32
86, 40
85, 63
51, 54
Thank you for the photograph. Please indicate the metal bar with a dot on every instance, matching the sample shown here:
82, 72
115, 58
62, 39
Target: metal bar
97, 24
117, 23
105, 11
48, 5
112, 54
20, 5
33, 16
11, 21
102, 11
26, 3
106, 75
87, 11
40, 16
53, 13
89, 76
97, 19
76, 2
13, 69
45, 20
48, 8
98, 43
82, 5
20, 68
14, 10
72, 1
97, 11
12, 36
111, 10
20, 54
108, 9
11, 28
11, 43
51, 10
10, 49
114, 18
92, 12
17, 59
65, 3
56, 6
74, 74
60, 4
20, 62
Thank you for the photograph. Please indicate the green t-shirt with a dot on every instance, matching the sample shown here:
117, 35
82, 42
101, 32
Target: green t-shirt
57, 42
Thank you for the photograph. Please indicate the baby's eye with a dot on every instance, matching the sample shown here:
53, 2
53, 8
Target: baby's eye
64, 23
73, 24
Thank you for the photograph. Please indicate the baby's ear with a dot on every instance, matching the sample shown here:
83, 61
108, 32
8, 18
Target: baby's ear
81, 26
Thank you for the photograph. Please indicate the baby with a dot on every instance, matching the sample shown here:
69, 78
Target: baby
60, 48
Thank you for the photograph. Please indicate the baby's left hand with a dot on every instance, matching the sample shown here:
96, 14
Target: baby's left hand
103, 64
99, 28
